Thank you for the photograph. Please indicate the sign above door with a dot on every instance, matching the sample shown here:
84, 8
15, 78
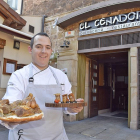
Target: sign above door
121, 21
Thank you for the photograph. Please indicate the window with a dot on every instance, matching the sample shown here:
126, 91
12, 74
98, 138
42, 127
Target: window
114, 40
131, 38
110, 41
88, 44
31, 29
15, 5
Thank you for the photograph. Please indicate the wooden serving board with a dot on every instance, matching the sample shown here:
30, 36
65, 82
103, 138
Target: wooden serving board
65, 104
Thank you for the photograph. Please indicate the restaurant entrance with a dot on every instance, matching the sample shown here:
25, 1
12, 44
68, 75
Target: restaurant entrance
108, 83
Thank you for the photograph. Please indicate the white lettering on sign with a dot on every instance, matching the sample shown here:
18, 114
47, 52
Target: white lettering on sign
115, 20
97, 23
109, 21
133, 16
102, 21
84, 26
121, 20
109, 28
131, 19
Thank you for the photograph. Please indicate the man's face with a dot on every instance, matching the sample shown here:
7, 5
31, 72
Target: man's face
41, 51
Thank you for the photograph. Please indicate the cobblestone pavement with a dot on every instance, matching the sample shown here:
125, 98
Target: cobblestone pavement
96, 128
101, 128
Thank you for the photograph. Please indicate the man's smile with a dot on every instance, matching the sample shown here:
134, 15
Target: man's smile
43, 56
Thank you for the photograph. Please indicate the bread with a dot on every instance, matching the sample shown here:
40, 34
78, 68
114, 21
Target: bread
14, 118
20, 110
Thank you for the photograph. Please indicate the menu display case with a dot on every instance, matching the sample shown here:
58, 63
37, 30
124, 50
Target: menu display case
9, 66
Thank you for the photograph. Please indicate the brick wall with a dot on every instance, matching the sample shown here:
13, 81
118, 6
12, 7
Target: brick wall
54, 7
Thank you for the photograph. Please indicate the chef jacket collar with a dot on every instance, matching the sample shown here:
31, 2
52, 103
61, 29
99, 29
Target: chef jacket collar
36, 68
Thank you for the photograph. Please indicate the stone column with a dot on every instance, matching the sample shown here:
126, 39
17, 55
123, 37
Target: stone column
134, 89
68, 59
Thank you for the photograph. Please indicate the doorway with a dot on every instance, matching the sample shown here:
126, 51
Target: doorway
109, 84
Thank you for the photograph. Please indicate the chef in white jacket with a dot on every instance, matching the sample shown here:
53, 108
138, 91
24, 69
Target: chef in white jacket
43, 81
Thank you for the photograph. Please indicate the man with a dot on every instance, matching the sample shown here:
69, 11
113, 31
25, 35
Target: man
43, 81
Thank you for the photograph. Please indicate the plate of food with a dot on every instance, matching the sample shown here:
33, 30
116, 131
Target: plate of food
66, 104
20, 110
67, 101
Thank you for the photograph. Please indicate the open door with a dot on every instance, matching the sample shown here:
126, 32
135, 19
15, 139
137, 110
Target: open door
93, 98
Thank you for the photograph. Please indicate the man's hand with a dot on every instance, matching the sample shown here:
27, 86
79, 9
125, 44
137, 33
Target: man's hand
76, 109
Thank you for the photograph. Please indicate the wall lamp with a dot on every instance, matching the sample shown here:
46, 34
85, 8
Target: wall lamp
65, 44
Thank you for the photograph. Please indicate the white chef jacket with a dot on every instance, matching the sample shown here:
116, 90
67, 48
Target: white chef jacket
19, 80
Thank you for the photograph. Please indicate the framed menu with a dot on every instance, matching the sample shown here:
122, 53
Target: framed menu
9, 66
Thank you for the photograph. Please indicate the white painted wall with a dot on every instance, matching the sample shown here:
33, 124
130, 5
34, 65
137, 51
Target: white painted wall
33, 21
1, 59
1, 63
22, 55
1, 20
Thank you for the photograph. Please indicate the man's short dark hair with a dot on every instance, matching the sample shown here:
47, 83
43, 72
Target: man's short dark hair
41, 34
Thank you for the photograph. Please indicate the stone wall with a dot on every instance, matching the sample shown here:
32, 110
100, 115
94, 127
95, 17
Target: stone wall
67, 56
54, 7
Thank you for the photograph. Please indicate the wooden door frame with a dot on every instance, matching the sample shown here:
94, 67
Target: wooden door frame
90, 86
